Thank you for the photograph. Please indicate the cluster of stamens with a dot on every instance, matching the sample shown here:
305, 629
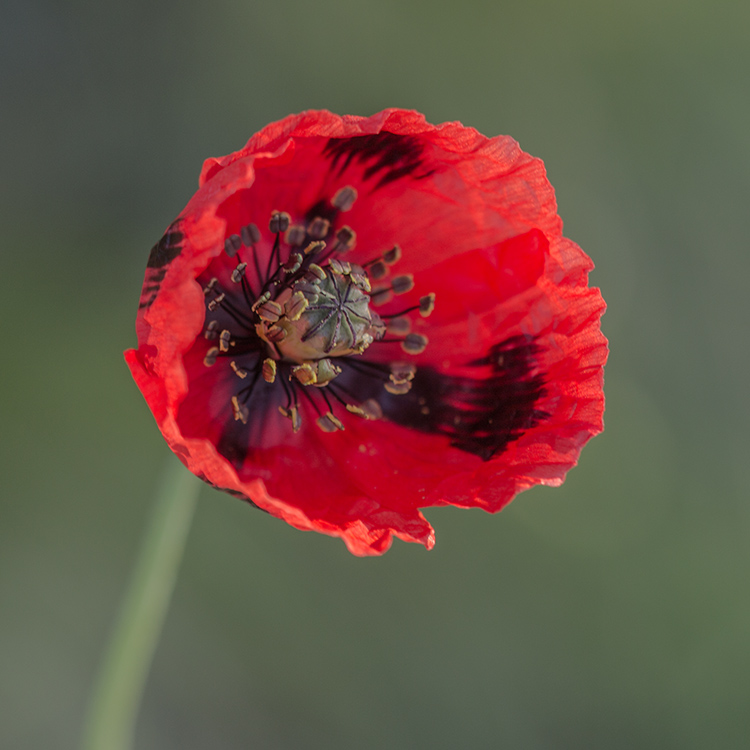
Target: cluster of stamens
308, 316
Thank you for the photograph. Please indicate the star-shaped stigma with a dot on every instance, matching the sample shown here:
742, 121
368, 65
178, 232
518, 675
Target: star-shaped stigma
338, 311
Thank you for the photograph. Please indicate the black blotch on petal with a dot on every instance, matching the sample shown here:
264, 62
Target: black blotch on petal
161, 255
479, 415
233, 443
166, 249
324, 210
389, 155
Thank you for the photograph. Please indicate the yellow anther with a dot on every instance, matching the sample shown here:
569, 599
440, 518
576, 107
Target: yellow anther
269, 370
239, 410
211, 355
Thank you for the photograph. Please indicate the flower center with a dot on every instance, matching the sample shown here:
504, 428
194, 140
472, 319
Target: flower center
326, 313
306, 316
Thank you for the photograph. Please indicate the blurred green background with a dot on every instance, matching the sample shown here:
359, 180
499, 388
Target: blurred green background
610, 613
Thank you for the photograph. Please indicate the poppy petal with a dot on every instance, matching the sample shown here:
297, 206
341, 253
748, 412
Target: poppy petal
355, 318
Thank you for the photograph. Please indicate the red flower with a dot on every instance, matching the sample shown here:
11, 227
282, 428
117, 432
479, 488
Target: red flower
290, 353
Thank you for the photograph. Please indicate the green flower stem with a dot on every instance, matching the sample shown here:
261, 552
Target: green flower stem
117, 693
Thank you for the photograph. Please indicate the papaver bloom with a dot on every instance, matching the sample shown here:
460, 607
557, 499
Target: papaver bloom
355, 318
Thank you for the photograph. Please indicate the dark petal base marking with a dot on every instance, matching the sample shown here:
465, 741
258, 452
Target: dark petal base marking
479, 415
161, 255
167, 248
393, 155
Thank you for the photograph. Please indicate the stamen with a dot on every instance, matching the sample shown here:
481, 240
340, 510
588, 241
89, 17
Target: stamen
232, 244
250, 234
316, 270
225, 340
427, 304
216, 302
313, 247
260, 301
295, 306
378, 270
402, 284
211, 355
270, 311
293, 264
318, 228
210, 286
293, 414
305, 373
306, 394
372, 409
414, 343
392, 256
340, 266
328, 402
279, 221
211, 333
344, 198
275, 334
398, 326
239, 410
346, 238
369, 409
329, 423
269, 370
295, 235
238, 273
240, 372
359, 278
382, 296
397, 389
402, 372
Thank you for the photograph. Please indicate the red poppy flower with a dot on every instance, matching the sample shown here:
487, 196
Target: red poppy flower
355, 318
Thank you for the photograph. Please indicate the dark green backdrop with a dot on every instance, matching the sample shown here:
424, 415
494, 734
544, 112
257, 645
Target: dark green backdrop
610, 613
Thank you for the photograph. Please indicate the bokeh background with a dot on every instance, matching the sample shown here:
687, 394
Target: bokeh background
610, 613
